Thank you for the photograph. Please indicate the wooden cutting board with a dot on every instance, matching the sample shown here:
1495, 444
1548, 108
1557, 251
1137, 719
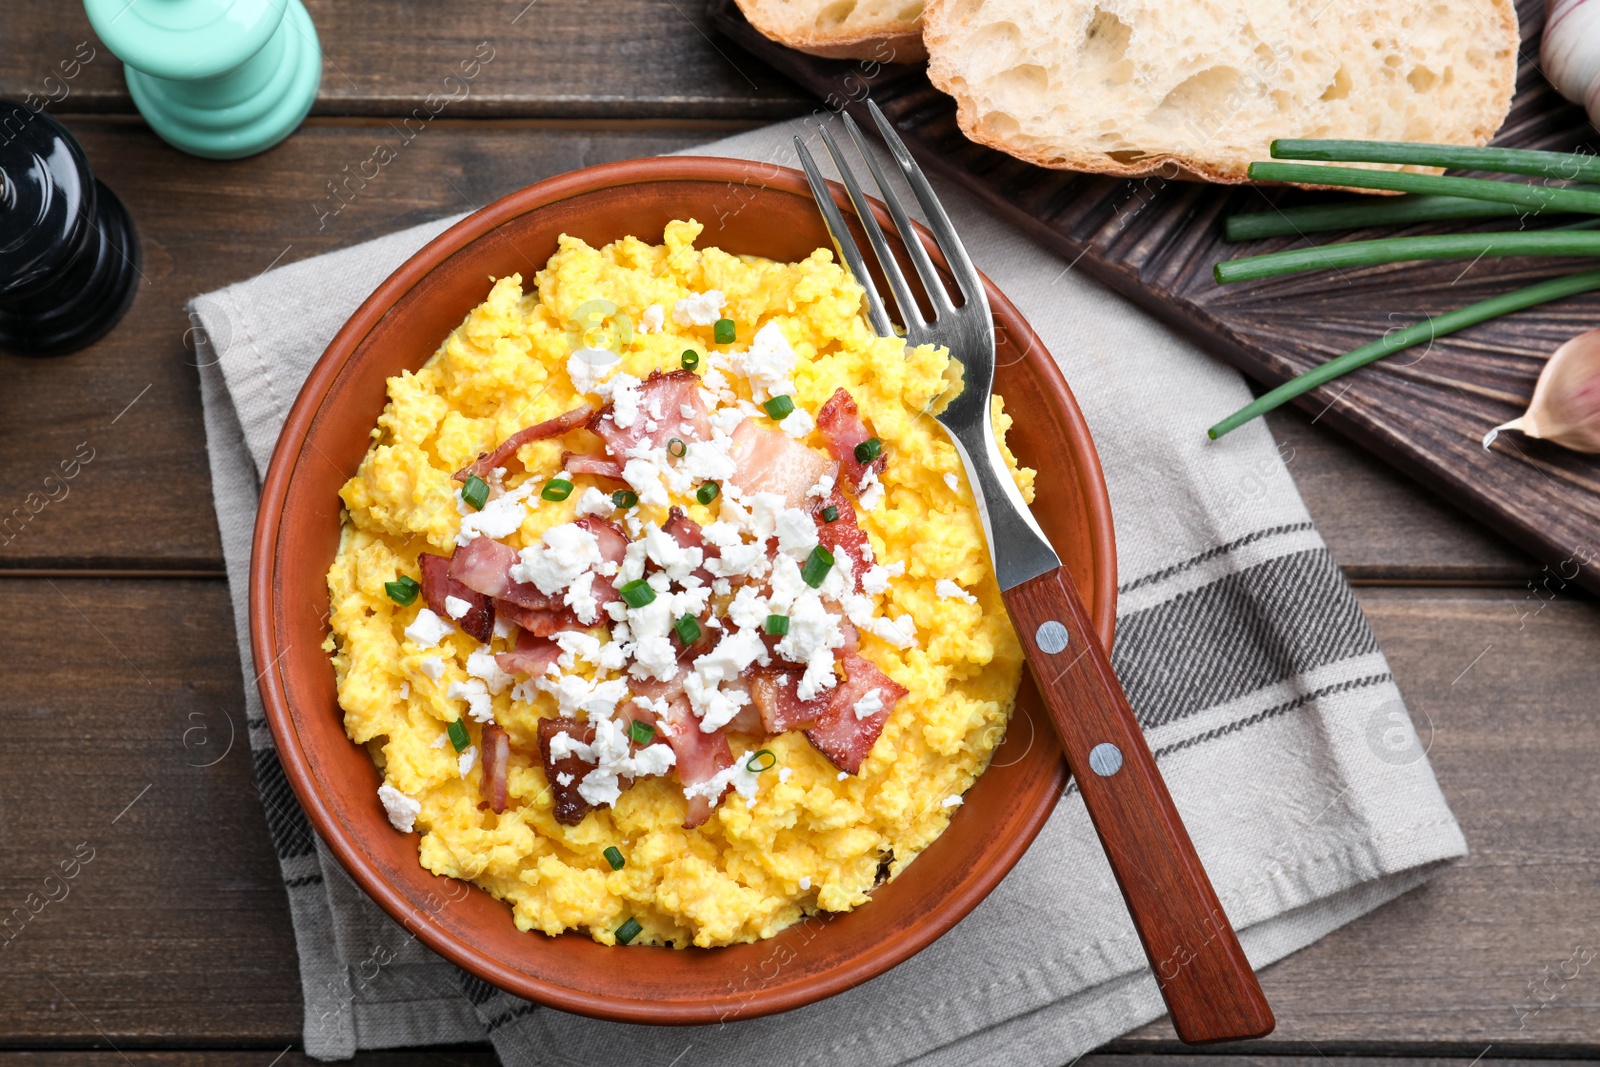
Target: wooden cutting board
1423, 410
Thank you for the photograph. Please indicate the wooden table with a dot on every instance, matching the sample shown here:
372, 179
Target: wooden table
173, 944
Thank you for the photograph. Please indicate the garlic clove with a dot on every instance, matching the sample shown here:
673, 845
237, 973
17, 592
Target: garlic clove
1565, 408
1570, 54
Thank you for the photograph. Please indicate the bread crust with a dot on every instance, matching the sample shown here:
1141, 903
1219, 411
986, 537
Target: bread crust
882, 45
936, 35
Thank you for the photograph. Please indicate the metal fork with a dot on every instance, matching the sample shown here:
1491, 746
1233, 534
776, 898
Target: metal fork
1204, 977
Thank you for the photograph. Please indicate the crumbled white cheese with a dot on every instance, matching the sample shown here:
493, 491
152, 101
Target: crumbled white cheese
576, 694
563, 553
823, 489
455, 607
952, 481
614, 759
814, 633
715, 707
500, 517
581, 599
784, 774
467, 759
646, 470
401, 809
900, 632
842, 775
625, 397
745, 782
564, 744
428, 629
589, 367
797, 533
440, 741
405, 690
476, 694
651, 319
768, 364
482, 665
432, 666
869, 705
564, 778
876, 579
797, 423
805, 883
948, 590
699, 309
662, 549
871, 490
502, 627
593, 502
951, 801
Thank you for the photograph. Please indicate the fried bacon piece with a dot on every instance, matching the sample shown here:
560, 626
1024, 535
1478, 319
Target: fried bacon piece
838, 733
564, 423
496, 758
570, 807
699, 755
842, 429
438, 583
662, 400
770, 461
532, 656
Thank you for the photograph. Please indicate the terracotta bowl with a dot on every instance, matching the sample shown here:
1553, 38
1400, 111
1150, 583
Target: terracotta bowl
747, 208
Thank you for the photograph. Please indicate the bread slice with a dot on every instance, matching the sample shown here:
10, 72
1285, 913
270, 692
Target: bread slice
887, 31
1200, 88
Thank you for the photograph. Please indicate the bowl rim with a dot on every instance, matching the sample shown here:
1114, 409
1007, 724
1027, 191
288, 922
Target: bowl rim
347, 848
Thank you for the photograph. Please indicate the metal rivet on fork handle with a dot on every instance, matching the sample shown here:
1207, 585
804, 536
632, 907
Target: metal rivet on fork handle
1105, 759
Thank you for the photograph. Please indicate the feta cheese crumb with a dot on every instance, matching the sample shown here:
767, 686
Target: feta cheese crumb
432, 666
440, 741
869, 705
401, 809
805, 883
871, 494
784, 774
798, 423
952, 481
502, 627
823, 489
563, 553
455, 607
948, 590
699, 309
651, 319
564, 778
594, 502
482, 665
951, 801
588, 367
499, 518
467, 759
476, 694
405, 690
843, 775
428, 629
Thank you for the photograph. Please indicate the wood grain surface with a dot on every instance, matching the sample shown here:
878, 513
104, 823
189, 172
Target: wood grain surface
1155, 241
173, 947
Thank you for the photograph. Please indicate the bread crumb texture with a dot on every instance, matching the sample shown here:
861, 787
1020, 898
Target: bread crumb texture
1201, 88
880, 31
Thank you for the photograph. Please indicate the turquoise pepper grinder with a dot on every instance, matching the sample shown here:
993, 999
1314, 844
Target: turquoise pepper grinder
217, 78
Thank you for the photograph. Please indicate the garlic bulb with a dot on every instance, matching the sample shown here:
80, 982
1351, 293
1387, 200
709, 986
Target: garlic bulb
1565, 408
1570, 54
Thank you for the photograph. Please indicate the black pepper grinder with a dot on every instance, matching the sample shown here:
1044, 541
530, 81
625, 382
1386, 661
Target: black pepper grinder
69, 260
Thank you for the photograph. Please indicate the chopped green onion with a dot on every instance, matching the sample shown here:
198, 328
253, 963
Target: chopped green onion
690, 359
1392, 211
613, 856
869, 450
676, 448
403, 590
763, 760
1569, 166
625, 498
628, 931
458, 735
724, 332
1398, 249
475, 492
779, 407
1436, 326
641, 732
830, 514
707, 492
816, 566
637, 593
558, 489
777, 625
687, 629
1538, 197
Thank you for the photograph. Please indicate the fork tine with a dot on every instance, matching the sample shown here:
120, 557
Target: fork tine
931, 282
955, 253
846, 244
910, 314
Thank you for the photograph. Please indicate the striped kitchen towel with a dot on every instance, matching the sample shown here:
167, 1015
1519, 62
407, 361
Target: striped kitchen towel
1265, 697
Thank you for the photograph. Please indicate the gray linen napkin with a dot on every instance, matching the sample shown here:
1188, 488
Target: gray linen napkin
1263, 693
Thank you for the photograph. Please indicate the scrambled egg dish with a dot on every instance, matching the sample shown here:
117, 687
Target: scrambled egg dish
662, 606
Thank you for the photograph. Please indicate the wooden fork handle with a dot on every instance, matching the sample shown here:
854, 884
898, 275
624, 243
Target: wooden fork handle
1207, 982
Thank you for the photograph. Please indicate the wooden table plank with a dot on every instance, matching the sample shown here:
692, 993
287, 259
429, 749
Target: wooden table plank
176, 932
550, 58
148, 481
1485, 952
